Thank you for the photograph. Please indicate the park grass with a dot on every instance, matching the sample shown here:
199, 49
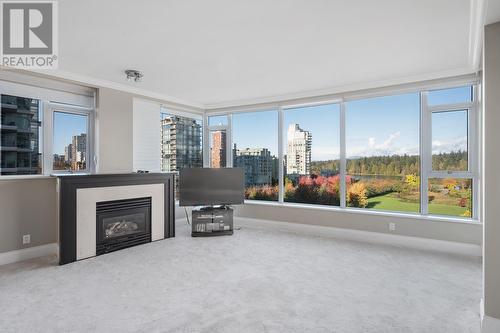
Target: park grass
391, 203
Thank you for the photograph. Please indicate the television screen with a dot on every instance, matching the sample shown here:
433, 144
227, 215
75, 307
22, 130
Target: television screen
207, 186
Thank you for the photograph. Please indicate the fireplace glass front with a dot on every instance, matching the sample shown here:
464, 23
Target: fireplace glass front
122, 223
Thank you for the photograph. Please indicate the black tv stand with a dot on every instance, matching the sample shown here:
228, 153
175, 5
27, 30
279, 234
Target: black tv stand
212, 221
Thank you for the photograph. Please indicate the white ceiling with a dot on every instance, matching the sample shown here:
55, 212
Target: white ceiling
225, 52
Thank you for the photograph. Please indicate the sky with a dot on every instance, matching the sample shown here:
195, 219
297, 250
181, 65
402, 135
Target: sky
66, 125
377, 126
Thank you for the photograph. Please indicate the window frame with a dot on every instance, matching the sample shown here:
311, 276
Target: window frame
342, 150
49, 111
47, 98
208, 129
279, 131
426, 171
198, 117
425, 144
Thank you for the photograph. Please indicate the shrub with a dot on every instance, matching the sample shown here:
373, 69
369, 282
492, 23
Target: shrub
313, 189
264, 192
356, 195
375, 187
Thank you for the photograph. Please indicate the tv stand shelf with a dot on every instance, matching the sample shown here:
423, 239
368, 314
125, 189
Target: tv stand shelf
212, 221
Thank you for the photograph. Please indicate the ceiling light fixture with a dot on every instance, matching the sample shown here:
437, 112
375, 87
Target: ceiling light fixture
133, 74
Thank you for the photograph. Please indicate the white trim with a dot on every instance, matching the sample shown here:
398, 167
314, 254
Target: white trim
28, 253
353, 91
99, 83
49, 112
476, 31
172, 110
366, 236
34, 79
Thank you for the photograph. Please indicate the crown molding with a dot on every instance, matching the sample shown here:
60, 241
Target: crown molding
333, 92
99, 83
476, 31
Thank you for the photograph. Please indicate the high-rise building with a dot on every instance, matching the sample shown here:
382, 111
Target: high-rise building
257, 164
298, 152
218, 153
67, 153
19, 136
180, 143
75, 153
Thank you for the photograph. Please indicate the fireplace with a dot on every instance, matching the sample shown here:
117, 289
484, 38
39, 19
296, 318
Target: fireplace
122, 223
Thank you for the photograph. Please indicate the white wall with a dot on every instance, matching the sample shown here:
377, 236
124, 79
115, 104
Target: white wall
491, 156
114, 131
147, 136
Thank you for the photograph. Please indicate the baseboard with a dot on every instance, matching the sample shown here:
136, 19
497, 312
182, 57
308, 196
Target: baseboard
28, 253
490, 325
367, 236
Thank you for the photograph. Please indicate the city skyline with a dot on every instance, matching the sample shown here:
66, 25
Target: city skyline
370, 126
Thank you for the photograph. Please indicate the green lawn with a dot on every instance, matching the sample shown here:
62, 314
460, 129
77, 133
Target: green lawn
388, 202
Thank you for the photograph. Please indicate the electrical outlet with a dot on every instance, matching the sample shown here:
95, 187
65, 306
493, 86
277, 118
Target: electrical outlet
392, 226
26, 239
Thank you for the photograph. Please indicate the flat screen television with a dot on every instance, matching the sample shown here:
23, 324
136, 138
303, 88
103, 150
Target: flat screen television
207, 186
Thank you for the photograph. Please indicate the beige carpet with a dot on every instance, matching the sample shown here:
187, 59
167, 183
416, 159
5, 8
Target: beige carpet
254, 281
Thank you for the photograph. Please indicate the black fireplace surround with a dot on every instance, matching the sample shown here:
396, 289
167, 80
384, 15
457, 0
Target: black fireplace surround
125, 225
122, 223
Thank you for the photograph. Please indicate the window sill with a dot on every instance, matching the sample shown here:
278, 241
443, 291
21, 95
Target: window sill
363, 211
24, 177
64, 174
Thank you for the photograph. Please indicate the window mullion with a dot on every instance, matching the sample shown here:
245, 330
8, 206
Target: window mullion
47, 134
425, 151
229, 141
281, 186
343, 163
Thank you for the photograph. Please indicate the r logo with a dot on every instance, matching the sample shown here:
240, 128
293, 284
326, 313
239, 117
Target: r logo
27, 28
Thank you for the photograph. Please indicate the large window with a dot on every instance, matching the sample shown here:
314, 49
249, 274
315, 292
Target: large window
311, 148
413, 152
20, 151
256, 151
382, 149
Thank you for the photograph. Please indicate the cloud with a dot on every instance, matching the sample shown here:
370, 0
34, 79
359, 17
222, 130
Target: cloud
456, 144
324, 153
386, 147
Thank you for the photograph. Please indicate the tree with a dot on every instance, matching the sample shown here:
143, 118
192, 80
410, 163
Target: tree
356, 195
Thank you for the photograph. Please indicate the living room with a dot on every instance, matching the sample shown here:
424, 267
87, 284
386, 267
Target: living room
344, 153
